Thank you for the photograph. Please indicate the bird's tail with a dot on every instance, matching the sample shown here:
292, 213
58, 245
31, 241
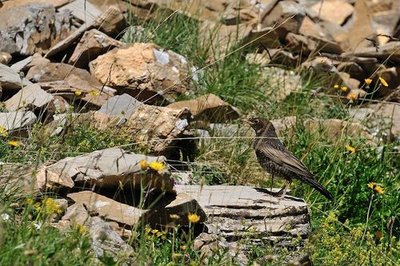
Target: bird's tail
314, 183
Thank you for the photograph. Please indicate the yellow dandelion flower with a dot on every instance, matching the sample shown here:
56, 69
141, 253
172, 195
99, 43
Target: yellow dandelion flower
193, 218
3, 132
351, 96
344, 88
156, 166
368, 81
378, 189
143, 164
371, 185
94, 92
78, 92
336, 86
383, 82
174, 216
183, 247
14, 143
350, 149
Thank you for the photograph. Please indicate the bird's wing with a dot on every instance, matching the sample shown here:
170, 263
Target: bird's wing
285, 158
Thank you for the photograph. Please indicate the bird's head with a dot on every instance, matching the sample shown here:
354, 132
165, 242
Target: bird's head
262, 126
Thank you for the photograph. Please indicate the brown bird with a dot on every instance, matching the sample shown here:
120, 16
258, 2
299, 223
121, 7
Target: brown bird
279, 161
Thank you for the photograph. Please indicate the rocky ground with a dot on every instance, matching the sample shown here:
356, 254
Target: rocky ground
107, 131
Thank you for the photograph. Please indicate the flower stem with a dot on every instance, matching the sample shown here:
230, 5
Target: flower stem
367, 220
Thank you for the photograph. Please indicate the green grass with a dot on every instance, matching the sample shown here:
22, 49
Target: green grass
341, 234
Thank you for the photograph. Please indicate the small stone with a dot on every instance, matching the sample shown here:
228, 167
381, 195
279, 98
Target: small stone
208, 108
5, 58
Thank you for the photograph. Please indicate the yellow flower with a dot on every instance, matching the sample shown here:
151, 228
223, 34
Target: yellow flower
147, 229
350, 149
50, 206
351, 96
14, 143
174, 216
193, 218
376, 188
371, 185
3, 132
344, 88
81, 229
383, 82
143, 164
157, 166
161, 234
94, 92
183, 247
29, 201
368, 81
37, 207
336, 86
78, 92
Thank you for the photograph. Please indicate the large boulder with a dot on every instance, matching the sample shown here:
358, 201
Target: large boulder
145, 71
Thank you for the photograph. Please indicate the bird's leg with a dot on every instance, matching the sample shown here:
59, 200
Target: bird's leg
272, 181
283, 191
278, 193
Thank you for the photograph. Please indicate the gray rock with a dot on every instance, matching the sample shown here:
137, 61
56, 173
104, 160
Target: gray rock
10, 79
76, 214
59, 77
92, 44
29, 96
110, 168
105, 240
110, 209
232, 210
159, 129
15, 121
209, 108
280, 83
31, 28
121, 105
145, 70
30, 61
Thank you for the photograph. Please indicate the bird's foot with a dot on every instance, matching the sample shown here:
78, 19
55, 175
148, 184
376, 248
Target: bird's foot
275, 193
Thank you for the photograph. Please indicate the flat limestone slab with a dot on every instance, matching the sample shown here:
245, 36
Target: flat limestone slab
241, 211
108, 168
